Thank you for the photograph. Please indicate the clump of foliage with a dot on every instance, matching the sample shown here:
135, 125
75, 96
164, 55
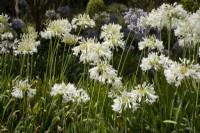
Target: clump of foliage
191, 5
95, 6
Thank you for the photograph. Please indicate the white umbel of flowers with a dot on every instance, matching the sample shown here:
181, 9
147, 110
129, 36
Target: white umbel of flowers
27, 44
145, 91
176, 72
152, 43
21, 87
69, 93
123, 101
105, 73
155, 61
112, 36
56, 28
83, 21
92, 51
161, 17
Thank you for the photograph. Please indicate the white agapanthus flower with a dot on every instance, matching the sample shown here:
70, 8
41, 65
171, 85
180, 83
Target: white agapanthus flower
4, 18
70, 39
102, 16
151, 43
92, 51
155, 61
79, 96
2, 28
105, 73
21, 87
70, 93
194, 20
161, 17
112, 36
145, 91
123, 101
83, 21
185, 33
6, 36
56, 28
176, 72
27, 44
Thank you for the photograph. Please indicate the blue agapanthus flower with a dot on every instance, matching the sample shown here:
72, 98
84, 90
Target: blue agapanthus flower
17, 23
64, 9
131, 18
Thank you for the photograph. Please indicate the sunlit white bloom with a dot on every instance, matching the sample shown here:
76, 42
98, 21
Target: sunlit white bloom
105, 73
20, 87
176, 72
155, 61
92, 51
164, 16
2, 28
27, 44
83, 21
62, 89
56, 28
194, 20
123, 101
112, 36
69, 93
4, 18
151, 43
79, 96
6, 46
185, 33
145, 91
6, 36
70, 39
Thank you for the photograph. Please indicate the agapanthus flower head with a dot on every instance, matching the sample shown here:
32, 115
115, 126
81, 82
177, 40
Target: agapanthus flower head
92, 51
27, 44
91, 33
61, 89
145, 91
6, 36
21, 88
151, 43
102, 16
83, 21
6, 46
17, 23
123, 101
2, 28
105, 74
51, 14
56, 28
176, 72
156, 61
4, 18
70, 39
131, 17
112, 36
64, 9
70, 93
163, 16
186, 34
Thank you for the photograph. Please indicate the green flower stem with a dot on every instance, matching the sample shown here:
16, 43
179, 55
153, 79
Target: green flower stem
169, 35
129, 48
22, 65
123, 52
